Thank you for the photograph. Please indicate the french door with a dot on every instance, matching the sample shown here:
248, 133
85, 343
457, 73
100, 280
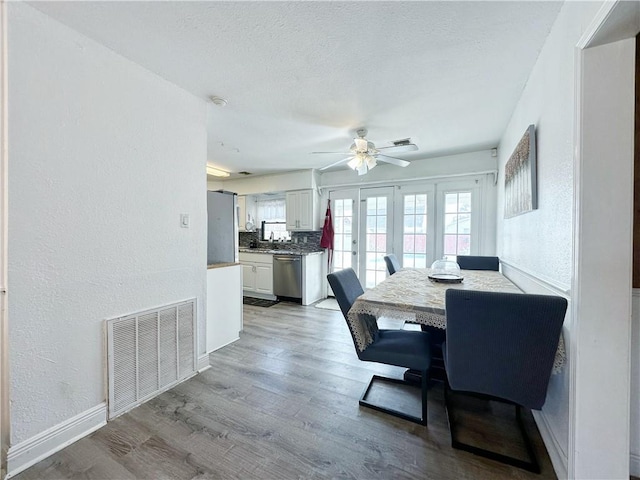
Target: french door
418, 223
415, 243
376, 233
345, 226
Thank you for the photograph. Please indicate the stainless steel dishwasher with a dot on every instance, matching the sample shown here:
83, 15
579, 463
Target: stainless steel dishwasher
287, 276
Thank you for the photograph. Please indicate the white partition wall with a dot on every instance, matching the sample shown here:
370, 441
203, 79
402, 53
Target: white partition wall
601, 285
4, 344
104, 157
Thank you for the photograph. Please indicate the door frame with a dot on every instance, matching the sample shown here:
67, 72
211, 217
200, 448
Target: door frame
601, 292
4, 326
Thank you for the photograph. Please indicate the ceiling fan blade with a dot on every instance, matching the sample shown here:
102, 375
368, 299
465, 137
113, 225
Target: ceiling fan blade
332, 153
392, 160
336, 163
406, 147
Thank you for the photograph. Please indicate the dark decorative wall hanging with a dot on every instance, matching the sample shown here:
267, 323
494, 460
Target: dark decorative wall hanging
520, 189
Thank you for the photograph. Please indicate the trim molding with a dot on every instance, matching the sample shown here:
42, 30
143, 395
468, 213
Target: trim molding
405, 180
203, 363
5, 423
31, 451
515, 273
558, 458
634, 465
634, 457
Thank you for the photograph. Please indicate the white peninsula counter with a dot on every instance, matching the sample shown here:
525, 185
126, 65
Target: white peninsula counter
224, 304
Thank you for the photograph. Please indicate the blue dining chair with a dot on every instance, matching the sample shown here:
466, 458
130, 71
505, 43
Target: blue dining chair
472, 262
393, 265
402, 348
501, 346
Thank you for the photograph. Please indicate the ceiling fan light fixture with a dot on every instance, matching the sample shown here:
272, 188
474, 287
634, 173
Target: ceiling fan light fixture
362, 168
216, 172
361, 145
363, 154
354, 163
371, 162
362, 163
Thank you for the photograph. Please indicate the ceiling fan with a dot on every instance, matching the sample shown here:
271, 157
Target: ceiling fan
363, 154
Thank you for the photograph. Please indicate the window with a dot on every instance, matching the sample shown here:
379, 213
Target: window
457, 224
272, 211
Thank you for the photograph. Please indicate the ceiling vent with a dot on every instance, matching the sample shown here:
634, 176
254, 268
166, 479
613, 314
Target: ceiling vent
404, 141
244, 173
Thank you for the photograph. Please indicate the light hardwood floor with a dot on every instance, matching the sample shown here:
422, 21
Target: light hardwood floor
280, 403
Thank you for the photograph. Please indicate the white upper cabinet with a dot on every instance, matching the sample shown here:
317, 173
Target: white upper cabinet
242, 212
302, 212
246, 211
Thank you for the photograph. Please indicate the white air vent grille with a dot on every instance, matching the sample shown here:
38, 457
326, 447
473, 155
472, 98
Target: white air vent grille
148, 353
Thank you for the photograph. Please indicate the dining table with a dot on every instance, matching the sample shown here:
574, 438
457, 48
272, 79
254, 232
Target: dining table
412, 296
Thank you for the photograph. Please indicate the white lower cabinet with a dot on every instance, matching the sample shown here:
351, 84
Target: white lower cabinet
264, 278
257, 274
248, 276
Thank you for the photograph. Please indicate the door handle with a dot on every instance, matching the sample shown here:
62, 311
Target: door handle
353, 253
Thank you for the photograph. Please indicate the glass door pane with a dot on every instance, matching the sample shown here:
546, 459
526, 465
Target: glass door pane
414, 230
376, 208
457, 224
345, 239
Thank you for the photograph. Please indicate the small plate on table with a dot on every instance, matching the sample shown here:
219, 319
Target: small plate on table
446, 278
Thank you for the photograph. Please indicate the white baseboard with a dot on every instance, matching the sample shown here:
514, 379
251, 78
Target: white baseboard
558, 458
634, 465
203, 363
31, 451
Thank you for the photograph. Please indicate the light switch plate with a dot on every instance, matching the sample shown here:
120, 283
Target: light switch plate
184, 220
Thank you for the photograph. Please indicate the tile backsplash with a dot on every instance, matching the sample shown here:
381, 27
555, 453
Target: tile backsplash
297, 242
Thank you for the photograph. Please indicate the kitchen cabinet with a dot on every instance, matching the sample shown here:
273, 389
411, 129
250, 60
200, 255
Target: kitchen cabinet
246, 211
257, 274
302, 210
242, 212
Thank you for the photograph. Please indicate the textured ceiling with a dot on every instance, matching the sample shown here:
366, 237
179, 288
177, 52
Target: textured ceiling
302, 76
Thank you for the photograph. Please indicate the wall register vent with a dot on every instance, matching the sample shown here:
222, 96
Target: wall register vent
148, 353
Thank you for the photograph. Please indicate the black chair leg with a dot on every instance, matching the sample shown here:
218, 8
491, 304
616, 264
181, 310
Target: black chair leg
530, 465
423, 385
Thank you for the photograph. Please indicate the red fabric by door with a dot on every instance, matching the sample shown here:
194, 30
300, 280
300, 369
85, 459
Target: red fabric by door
327, 235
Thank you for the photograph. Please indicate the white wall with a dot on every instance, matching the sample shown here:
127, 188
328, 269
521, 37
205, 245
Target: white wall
103, 158
464, 163
539, 244
297, 180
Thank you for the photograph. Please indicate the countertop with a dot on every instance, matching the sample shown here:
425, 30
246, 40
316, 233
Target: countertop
221, 265
279, 252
